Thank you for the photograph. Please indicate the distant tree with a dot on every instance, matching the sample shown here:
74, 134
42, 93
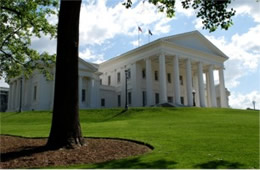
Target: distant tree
19, 21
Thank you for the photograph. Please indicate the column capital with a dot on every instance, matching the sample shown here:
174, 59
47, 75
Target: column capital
221, 68
147, 58
201, 62
133, 63
162, 52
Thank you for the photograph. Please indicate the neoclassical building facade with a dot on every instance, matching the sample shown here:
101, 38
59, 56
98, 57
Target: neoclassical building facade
181, 70
177, 69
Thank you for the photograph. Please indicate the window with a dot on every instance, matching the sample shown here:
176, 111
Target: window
156, 98
100, 81
169, 77
35, 93
181, 80
119, 100
103, 102
182, 100
109, 80
170, 99
129, 73
144, 98
118, 77
143, 73
156, 75
129, 98
83, 95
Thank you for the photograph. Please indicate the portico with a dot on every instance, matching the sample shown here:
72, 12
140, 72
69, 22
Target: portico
171, 72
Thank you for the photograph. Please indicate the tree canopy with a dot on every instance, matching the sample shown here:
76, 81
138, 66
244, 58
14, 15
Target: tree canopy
20, 21
214, 13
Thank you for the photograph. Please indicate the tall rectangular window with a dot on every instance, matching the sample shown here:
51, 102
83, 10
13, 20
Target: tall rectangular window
144, 98
157, 98
181, 80
100, 81
143, 73
182, 100
129, 98
83, 95
109, 80
103, 102
119, 100
156, 75
129, 73
118, 77
169, 77
34, 93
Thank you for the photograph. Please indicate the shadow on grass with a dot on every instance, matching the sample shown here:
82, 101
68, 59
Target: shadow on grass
25, 151
135, 163
118, 114
219, 164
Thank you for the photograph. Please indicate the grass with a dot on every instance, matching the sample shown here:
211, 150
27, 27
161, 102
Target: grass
182, 137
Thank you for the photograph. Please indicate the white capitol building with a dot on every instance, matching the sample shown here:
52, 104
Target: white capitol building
177, 70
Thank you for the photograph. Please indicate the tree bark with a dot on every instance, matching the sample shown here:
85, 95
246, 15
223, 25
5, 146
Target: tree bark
65, 129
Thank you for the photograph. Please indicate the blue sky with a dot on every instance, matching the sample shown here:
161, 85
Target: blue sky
107, 30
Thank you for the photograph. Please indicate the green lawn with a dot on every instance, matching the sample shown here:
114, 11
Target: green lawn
182, 137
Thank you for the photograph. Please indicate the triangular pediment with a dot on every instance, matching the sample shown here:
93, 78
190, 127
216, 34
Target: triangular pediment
84, 65
195, 40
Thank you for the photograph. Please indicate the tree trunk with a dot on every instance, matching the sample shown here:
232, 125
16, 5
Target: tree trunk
65, 129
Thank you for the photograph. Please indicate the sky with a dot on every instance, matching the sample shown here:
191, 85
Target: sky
107, 30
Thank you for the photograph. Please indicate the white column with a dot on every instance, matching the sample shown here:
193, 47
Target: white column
93, 96
149, 82
212, 87
80, 91
201, 85
162, 78
189, 83
98, 99
123, 86
14, 95
176, 76
223, 99
208, 90
17, 95
23, 92
196, 88
52, 93
135, 84
10, 96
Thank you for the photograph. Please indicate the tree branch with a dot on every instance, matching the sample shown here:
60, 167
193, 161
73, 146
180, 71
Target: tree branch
12, 10
9, 36
12, 58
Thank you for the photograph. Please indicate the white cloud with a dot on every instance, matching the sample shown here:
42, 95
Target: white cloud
247, 7
44, 44
3, 83
186, 12
198, 23
135, 43
99, 22
243, 52
89, 56
243, 101
162, 26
